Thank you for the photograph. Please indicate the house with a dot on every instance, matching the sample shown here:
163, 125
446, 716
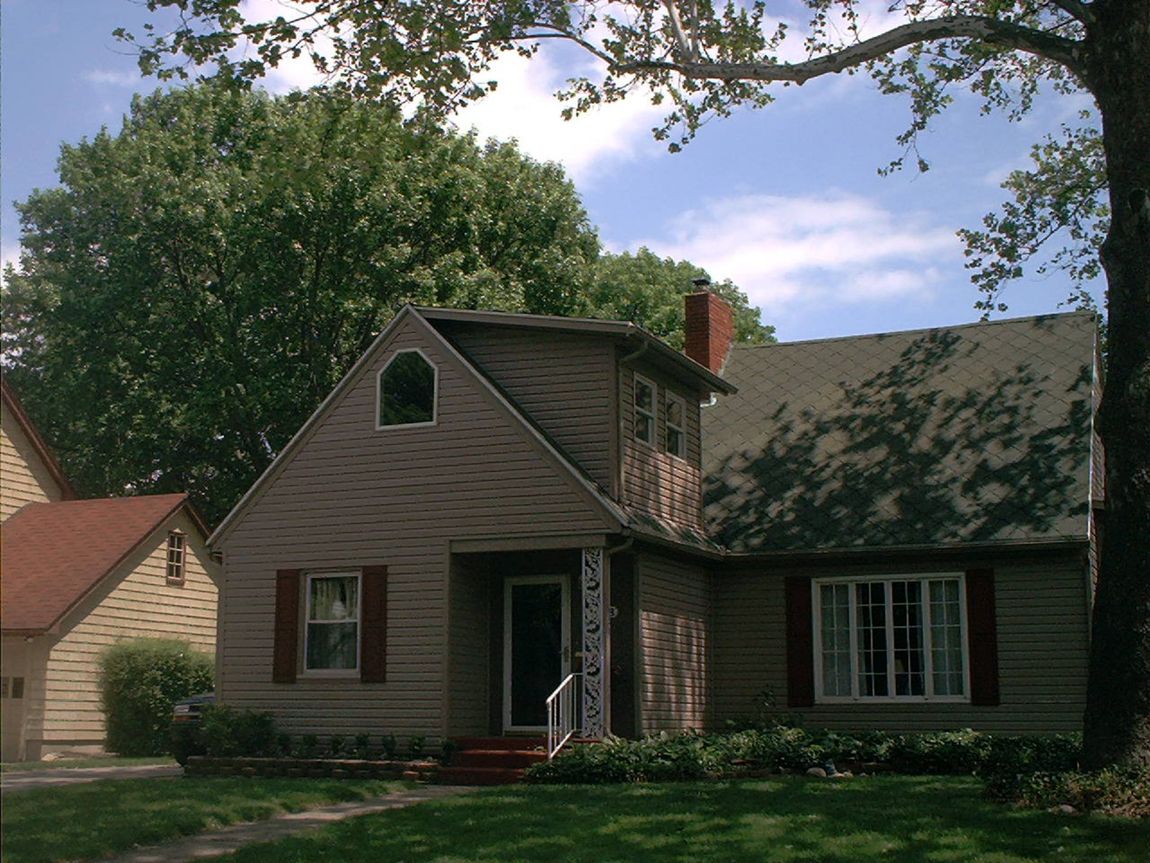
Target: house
889, 531
77, 576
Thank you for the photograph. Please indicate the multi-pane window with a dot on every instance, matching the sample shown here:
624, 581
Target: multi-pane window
177, 550
890, 638
644, 410
676, 441
407, 391
332, 639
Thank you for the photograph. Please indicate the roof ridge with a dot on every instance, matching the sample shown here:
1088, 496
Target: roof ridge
885, 333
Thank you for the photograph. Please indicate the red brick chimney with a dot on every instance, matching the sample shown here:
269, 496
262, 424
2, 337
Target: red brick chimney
710, 329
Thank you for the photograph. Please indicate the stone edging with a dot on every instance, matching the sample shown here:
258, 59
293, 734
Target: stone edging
313, 768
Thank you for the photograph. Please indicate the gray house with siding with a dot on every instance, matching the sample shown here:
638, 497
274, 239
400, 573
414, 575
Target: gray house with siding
891, 531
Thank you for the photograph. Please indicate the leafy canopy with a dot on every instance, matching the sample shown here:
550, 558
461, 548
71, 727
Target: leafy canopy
199, 282
702, 60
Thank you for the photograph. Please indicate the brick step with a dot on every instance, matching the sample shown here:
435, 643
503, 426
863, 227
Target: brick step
479, 775
518, 744
497, 758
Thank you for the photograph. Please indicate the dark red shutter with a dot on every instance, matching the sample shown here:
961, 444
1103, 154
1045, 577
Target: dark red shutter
286, 626
373, 639
800, 644
982, 631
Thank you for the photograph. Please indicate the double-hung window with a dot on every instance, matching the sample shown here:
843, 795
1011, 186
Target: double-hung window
176, 551
645, 410
332, 637
897, 638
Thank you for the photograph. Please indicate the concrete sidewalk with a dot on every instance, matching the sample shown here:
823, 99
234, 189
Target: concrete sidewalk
22, 780
232, 838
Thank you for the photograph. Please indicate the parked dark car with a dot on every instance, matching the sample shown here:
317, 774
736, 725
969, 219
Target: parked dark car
185, 729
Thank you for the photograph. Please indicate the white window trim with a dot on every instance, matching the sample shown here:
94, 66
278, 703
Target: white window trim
332, 672
183, 565
637, 411
434, 393
682, 429
928, 669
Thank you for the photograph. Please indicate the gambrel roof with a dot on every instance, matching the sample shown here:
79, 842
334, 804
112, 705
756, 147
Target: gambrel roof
970, 434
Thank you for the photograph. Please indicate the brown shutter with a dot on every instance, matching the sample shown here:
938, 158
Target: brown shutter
286, 626
800, 644
373, 639
982, 632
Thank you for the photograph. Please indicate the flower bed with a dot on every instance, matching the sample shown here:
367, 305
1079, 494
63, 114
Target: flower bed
312, 768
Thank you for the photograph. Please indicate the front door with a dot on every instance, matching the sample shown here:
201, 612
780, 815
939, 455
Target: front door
536, 647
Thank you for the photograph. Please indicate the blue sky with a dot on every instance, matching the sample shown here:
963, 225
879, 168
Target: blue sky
786, 201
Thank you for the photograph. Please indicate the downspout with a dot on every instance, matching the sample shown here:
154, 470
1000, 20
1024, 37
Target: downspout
634, 355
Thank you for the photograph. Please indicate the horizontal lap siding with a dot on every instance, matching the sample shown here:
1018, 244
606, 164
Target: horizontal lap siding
1042, 651
353, 496
655, 482
470, 639
137, 602
561, 380
674, 619
23, 476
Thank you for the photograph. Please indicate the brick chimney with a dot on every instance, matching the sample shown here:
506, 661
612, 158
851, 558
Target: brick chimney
710, 328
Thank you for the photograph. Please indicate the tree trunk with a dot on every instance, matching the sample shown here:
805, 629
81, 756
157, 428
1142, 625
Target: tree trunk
1117, 721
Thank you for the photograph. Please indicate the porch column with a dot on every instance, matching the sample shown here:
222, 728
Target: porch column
595, 629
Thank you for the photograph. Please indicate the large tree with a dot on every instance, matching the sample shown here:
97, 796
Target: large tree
704, 59
200, 281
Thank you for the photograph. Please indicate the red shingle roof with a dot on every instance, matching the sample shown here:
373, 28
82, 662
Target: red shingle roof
55, 553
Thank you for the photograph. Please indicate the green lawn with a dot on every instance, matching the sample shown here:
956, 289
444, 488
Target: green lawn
100, 761
98, 819
900, 818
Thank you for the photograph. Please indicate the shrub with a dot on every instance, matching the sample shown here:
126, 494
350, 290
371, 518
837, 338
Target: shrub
390, 746
1116, 791
335, 746
140, 680
362, 746
308, 745
227, 732
415, 745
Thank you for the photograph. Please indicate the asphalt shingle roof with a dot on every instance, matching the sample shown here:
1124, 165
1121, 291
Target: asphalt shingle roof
975, 433
54, 553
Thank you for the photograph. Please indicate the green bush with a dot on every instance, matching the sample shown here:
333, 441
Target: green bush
140, 680
694, 756
1116, 791
228, 733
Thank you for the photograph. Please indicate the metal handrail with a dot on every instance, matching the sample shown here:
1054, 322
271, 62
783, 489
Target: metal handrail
561, 714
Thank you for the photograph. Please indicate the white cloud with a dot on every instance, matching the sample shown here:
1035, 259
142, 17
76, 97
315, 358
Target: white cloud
113, 78
817, 249
524, 107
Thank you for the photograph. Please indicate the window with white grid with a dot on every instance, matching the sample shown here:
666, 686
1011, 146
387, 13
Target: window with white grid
898, 639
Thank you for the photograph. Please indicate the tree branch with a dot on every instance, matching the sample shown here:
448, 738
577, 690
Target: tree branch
990, 30
1076, 9
677, 28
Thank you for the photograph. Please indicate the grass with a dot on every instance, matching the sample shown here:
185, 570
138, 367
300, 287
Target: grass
784, 820
95, 761
99, 819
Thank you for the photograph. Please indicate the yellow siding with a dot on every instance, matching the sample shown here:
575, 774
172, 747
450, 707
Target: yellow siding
23, 476
134, 602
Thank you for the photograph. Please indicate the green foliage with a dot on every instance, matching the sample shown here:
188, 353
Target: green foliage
362, 746
649, 290
1115, 791
390, 746
308, 746
415, 745
228, 733
335, 746
199, 282
696, 756
140, 680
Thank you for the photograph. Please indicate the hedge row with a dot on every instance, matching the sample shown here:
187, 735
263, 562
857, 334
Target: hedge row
698, 756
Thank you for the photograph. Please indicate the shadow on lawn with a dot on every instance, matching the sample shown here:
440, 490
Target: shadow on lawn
900, 818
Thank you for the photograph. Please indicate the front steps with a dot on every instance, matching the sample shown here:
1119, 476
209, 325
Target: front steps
492, 760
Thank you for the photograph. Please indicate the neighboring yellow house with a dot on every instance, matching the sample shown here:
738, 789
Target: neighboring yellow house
76, 577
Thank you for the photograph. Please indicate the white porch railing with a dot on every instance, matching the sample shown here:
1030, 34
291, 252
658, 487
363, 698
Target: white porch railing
562, 714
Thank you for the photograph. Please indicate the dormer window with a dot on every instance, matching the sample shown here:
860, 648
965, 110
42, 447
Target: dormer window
407, 392
177, 542
644, 411
676, 437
